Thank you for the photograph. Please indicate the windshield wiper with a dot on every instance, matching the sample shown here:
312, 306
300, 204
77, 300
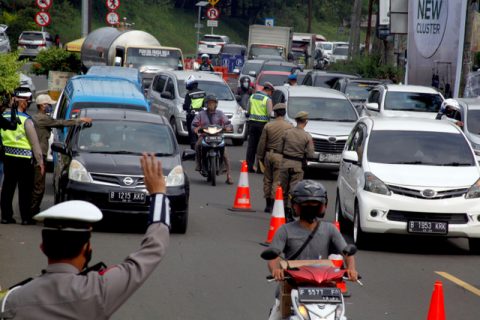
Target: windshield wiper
116, 152
456, 164
415, 162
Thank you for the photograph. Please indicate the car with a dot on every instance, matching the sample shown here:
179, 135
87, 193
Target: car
277, 78
167, 94
325, 79
470, 116
275, 65
340, 52
408, 176
4, 40
403, 100
255, 67
132, 74
331, 119
214, 39
326, 47
30, 43
357, 90
100, 164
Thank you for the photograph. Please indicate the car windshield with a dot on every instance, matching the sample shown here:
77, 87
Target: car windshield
221, 90
419, 148
31, 36
126, 137
473, 121
256, 51
249, 66
340, 51
326, 46
358, 91
325, 109
413, 101
278, 67
275, 79
139, 57
212, 39
325, 81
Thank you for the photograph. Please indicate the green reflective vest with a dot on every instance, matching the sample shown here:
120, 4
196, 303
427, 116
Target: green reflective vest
197, 99
258, 107
15, 142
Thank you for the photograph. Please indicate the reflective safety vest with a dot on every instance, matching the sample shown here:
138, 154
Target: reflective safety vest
258, 107
15, 142
197, 99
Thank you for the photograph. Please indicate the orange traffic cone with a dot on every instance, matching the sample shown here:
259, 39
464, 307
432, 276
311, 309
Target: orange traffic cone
242, 197
278, 215
337, 225
437, 306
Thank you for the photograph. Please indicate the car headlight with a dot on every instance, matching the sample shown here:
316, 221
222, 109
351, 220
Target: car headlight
375, 185
176, 177
474, 191
77, 172
303, 312
239, 112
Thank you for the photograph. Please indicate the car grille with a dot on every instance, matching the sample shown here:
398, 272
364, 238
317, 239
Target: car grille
453, 193
404, 216
118, 180
329, 147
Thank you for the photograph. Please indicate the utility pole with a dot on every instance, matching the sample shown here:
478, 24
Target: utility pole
355, 22
467, 47
86, 17
369, 27
309, 21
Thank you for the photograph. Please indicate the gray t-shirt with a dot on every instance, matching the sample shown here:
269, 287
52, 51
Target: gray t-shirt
291, 236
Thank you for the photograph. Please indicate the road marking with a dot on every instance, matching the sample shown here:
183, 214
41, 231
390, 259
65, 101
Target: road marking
459, 282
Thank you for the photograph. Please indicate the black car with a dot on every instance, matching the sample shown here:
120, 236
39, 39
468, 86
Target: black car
324, 79
357, 90
100, 163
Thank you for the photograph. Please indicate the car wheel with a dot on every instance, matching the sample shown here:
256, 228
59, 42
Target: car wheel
345, 224
360, 238
474, 244
238, 142
179, 223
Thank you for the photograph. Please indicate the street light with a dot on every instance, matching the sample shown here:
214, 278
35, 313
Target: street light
199, 4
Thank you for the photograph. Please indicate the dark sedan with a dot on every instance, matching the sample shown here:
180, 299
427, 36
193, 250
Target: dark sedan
100, 163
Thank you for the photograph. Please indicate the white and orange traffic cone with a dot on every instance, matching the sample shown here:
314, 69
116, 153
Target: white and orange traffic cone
278, 215
242, 197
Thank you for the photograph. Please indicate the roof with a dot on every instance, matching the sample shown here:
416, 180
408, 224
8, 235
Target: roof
122, 114
470, 103
132, 74
308, 91
333, 74
274, 73
199, 75
279, 63
410, 88
413, 124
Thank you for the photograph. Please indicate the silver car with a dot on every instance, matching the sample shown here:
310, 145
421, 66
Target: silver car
30, 43
470, 115
4, 40
331, 118
167, 94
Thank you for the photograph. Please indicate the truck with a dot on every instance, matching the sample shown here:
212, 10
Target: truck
269, 41
303, 48
109, 46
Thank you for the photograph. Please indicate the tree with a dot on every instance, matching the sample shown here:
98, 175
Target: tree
9, 73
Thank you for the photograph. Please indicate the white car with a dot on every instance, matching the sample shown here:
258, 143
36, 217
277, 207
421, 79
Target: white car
409, 176
340, 52
4, 40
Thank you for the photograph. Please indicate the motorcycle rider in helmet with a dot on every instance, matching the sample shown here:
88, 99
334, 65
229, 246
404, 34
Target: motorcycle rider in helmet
309, 202
211, 116
205, 65
450, 110
193, 103
244, 91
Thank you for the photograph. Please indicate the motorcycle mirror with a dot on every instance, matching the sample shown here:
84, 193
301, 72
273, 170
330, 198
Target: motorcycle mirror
270, 254
350, 250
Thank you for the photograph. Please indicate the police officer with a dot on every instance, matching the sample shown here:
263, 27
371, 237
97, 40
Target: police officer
269, 152
22, 153
259, 110
193, 103
205, 65
63, 290
297, 147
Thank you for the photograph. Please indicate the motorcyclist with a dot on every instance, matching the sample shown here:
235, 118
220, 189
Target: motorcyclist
451, 111
205, 65
245, 90
193, 103
309, 202
206, 117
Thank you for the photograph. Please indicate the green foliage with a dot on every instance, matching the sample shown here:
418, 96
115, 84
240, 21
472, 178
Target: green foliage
9, 73
18, 22
56, 59
370, 66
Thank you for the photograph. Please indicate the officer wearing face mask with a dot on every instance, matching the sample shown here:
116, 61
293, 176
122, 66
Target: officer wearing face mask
43, 126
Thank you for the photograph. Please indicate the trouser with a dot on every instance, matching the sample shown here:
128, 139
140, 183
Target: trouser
192, 137
17, 171
271, 176
198, 158
289, 177
38, 188
255, 129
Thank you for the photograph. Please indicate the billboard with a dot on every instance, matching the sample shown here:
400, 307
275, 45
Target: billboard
436, 31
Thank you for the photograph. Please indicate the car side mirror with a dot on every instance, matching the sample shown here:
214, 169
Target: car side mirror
350, 156
59, 147
252, 74
188, 155
118, 61
166, 95
373, 106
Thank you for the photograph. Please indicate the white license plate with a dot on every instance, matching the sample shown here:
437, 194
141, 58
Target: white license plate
329, 157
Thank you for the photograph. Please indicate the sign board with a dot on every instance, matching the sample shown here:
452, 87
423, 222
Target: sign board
212, 23
232, 61
269, 22
213, 2
42, 18
383, 12
44, 4
112, 4
398, 17
213, 13
112, 18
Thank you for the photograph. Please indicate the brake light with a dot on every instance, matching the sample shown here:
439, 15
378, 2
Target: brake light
42, 45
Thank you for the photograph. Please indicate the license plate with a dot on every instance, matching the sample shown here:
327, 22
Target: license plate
126, 196
428, 227
330, 157
319, 295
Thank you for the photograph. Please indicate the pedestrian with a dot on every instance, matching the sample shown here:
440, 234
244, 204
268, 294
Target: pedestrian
67, 289
297, 147
43, 126
259, 110
22, 154
269, 152
193, 103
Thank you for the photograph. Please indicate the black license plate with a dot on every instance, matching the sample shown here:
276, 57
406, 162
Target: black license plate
319, 295
427, 227
126, 196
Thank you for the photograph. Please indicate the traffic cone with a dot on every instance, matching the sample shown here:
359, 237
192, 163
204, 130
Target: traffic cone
242, 197
437, 306
278, 215
337, 225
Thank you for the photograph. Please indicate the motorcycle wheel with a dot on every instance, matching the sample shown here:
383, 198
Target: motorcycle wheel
213, 171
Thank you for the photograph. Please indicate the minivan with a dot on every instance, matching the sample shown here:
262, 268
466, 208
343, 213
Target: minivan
30, 43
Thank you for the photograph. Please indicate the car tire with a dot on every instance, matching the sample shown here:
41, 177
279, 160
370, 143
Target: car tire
345, 224
180, 223
474, 245
360, 238
238, 142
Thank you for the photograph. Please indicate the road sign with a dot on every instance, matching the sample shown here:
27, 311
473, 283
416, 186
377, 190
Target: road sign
212, 23
213, 2
112, 18
213, 13
269, 22
112, 4
42, 18
44, 4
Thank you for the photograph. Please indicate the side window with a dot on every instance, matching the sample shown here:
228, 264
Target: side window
353, 140
170, 88
308, 80
160, 83
360, 143
374, 96
63, 107
278, 97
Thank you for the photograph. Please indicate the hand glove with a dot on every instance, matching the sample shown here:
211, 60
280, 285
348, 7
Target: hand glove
159, 209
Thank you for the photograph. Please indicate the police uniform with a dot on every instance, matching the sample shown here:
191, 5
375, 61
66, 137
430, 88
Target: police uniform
270, 152
297, 147
193, 103
61, 292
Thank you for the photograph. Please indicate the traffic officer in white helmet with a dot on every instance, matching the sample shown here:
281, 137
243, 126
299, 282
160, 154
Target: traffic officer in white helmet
451, 111
67, 289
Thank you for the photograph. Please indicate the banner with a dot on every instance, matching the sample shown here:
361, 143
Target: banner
436, 31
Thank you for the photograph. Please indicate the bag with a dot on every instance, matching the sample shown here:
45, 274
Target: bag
304, 245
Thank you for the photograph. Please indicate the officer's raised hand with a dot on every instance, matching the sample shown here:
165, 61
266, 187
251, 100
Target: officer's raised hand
152, 170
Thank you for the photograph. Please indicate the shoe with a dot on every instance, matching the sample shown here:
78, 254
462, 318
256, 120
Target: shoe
269, 205
8, 221
229, 180
29, 222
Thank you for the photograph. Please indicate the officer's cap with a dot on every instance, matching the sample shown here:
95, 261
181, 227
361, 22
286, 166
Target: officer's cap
302, 115
279, 106
72, 215
268, 85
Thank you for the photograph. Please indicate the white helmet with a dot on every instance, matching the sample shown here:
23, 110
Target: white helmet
205, 56
191, 82
451, 103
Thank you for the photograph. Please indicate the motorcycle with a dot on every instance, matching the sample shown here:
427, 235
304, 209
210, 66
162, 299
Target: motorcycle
313, 288
211, 155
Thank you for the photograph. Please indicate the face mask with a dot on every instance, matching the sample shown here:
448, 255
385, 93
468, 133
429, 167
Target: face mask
245, 84
95, 137
309, 213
